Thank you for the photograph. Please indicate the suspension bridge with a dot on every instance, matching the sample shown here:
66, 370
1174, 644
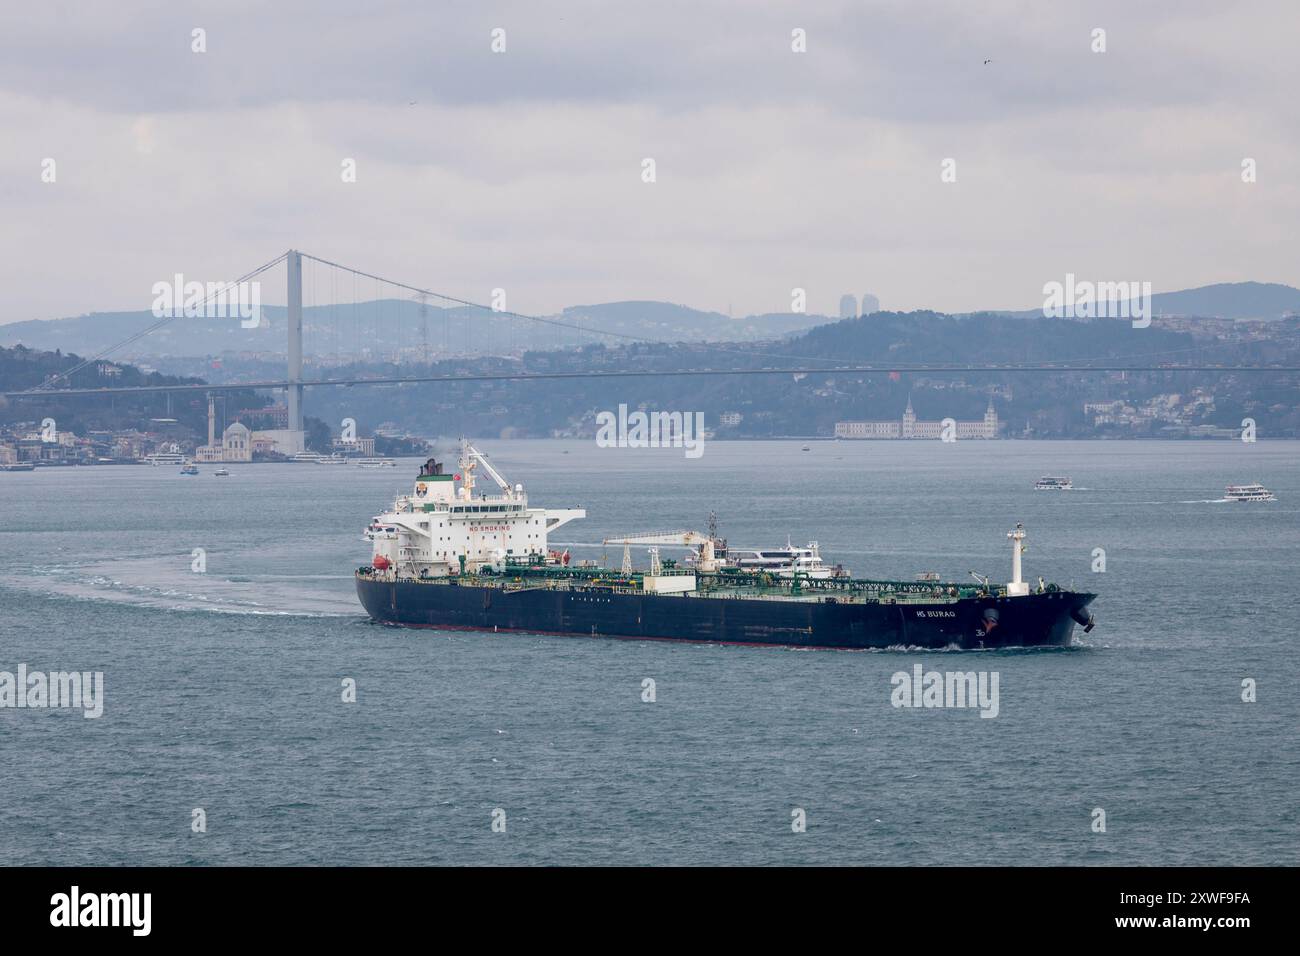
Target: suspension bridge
294, 383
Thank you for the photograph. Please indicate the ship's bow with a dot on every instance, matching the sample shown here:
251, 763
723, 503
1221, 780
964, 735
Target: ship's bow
1032, 620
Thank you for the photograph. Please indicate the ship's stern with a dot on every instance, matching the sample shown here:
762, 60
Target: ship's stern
376, 595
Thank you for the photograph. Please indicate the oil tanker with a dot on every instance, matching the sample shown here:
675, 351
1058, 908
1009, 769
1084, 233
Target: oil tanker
444, 557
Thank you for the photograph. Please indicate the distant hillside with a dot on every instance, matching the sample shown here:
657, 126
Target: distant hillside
1231, 300
371, 328
679, 323
1160, 403
1223, 300
22, 368
1037, 405
387, 327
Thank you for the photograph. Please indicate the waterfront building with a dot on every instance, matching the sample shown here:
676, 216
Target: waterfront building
910, 427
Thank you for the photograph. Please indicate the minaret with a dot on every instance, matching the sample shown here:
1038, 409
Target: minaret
991, 420
212, 421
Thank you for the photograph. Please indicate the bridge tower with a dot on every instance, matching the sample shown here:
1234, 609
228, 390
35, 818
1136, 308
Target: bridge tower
293, 265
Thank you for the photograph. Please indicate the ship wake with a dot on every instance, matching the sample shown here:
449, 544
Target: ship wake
153, 583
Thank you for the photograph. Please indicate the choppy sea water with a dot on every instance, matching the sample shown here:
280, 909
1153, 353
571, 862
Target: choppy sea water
223, 689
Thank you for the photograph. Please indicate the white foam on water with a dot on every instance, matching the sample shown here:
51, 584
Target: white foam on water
169, 585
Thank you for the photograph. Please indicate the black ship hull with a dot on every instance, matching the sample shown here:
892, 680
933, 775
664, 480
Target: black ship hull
1033, 620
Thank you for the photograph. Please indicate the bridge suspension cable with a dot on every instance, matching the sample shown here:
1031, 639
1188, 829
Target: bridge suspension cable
487, 308
49, 382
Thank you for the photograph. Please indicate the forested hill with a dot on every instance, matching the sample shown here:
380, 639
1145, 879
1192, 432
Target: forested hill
930, 337
22, 368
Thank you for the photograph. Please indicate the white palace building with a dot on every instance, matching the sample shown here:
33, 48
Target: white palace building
909, 427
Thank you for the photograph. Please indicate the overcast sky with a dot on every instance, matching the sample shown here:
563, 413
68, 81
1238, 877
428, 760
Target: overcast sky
523, 169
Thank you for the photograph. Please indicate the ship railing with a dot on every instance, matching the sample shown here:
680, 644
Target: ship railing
834, 584
784, 596
846, 597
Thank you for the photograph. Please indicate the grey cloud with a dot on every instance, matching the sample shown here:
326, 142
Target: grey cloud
776, 170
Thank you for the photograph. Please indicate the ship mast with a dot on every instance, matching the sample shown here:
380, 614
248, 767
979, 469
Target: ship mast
1017, 587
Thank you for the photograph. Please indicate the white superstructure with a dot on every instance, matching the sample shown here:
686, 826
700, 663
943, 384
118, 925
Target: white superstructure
785, 562
1255, 492
164, 458
1054, 483
443, 527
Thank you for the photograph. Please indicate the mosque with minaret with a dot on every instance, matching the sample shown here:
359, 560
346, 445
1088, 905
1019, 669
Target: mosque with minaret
910, 427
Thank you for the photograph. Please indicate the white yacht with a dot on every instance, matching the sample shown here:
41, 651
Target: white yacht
784, 562
1054, 483
1255, 492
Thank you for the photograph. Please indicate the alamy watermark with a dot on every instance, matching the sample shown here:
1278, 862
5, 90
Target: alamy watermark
931, 689
651, 430
212, 300
39, 690
129, 910
1073, 299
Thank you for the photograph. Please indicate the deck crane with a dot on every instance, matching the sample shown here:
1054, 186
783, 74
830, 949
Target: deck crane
707, 561
471, 458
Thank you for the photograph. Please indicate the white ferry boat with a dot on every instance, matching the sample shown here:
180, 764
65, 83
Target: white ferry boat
375, 463
306, 457
164, 458
1255, 492
1054, 483
785, 562
331, 460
